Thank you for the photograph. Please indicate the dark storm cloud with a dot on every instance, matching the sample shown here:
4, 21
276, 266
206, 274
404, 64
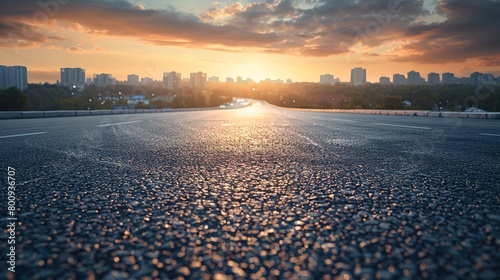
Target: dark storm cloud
468, 29
471, 30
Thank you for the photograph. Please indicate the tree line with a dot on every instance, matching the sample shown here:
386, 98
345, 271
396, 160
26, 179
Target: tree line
372, 96
54, 97
298, 95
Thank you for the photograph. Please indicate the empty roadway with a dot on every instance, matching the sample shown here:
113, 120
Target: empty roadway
255, 192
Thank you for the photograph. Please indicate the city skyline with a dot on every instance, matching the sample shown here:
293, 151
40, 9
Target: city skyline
76, 78
297, 40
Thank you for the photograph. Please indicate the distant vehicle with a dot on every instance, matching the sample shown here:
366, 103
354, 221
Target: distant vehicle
474, 110
239, 102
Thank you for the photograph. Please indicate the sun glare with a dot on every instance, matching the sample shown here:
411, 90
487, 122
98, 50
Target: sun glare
255, 71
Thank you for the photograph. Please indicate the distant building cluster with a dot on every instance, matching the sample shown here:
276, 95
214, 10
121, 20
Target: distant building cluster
75, 78
358, 78
414, 78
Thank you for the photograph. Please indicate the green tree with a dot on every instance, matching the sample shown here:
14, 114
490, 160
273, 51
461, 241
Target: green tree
392, 102
12, 99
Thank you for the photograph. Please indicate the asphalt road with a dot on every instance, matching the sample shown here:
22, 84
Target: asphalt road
258, 192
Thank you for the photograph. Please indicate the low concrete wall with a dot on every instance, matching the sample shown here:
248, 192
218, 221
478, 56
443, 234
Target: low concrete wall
53, 114
464, 115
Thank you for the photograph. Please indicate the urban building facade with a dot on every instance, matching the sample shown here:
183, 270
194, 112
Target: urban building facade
327, 79
13, 76
414, 78
433, 79
198, 80
358, 76
133, 80
399, 80
385, 80
103, 80
147, 81
73, 78
478, 79
213, 79
449, 78
172, 80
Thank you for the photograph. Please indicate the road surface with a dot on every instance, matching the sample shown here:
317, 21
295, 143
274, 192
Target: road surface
258, 192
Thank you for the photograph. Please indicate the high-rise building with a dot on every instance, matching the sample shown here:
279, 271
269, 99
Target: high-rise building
449, 78
133, 80
198, 80
433, 79
147, 81
229, 80
13, 76
358, 76
478, 79
385, 80
289, 81
414, 78
172, 80
327, 79
102, 80
398, 80
73, 77
213, 79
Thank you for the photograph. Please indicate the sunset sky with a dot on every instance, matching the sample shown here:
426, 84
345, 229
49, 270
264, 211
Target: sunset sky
300, 39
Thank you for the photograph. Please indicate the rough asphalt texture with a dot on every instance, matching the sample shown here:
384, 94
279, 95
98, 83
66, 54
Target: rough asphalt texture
258, 192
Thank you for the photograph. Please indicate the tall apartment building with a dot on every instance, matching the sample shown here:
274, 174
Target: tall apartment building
478, 79
358, 76
102, 80
172, 80
385, 80
449, 78
198, 80
13, 76
327, 79
73, 77
398, 80
414, 78
133, 80
433, 79
213, 79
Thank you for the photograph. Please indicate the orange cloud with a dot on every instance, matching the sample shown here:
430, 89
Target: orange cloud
329, 27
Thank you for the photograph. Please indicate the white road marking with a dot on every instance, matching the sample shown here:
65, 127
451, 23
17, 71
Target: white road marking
403, 126
112, 124
342, 120
490, 134
308, 140
21, 135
